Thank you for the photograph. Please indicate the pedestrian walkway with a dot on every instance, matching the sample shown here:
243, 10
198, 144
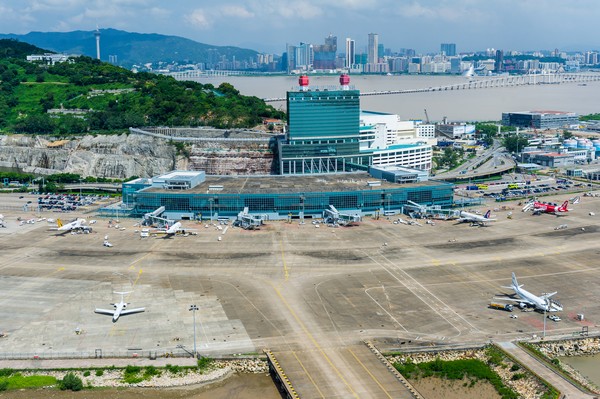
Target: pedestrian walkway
50, 364
559, 382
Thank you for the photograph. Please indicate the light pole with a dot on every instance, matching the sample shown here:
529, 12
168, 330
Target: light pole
544, 333
193, 309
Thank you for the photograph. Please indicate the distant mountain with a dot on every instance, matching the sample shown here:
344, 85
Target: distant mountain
134, 48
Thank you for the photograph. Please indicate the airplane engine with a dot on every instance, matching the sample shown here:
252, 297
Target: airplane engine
522, 305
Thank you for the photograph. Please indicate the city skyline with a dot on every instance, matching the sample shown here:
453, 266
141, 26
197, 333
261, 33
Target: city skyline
268, 25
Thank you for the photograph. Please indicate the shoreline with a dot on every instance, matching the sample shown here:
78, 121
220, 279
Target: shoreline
186, 377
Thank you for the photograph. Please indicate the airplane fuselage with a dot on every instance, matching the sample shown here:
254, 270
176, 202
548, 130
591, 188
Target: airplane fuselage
539, 303
118, 309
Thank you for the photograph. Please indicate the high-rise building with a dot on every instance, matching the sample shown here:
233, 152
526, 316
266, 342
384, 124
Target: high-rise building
304, 56
350, 53
324, 54
373, 48
323, 131
449, 49
499, 61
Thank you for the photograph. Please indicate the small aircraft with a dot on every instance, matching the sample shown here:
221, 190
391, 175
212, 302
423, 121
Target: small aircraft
120, 308
76, 225
475, 219
526, 298
546, 207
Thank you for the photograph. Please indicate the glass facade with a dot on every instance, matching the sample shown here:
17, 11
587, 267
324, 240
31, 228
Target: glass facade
323, 134
323, 114
281, 205
547, 120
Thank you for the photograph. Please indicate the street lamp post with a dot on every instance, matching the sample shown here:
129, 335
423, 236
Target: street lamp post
544, 332
193, 309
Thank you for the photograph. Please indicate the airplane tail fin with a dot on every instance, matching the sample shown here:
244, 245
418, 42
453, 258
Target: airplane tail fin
563, 207
59, 223
515, 284
488, 214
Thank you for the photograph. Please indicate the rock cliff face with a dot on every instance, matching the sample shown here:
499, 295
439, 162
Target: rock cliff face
101, 156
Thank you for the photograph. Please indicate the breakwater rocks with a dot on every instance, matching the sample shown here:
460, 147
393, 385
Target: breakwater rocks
526, 385
166, 377
570, 347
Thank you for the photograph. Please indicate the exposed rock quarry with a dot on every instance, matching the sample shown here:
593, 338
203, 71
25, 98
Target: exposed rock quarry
110, 156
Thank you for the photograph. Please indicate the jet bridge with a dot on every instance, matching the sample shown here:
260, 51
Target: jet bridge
419, 211
247, 221
333, 216
154, 219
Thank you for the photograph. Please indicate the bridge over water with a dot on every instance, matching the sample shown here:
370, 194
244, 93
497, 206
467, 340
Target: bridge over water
491, 82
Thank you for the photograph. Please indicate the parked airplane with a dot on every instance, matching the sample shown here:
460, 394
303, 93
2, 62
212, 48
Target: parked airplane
120, 309
76, 225
176, 228
475, 219
545, 207
526, 298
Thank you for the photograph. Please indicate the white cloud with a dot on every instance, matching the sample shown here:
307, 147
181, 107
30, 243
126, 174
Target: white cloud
199, 19
236, 11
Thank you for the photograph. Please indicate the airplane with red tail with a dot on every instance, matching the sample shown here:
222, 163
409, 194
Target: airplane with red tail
545, 207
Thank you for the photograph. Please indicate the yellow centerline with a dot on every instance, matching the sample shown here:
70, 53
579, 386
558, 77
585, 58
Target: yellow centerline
286, 273
370, 374
308, 374
313, 340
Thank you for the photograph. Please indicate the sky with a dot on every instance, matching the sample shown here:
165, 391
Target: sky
267, 25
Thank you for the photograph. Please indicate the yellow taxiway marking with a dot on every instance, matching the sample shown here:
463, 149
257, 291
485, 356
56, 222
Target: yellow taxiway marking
370, 374
286, 273
313, 340
436, 262
308, 375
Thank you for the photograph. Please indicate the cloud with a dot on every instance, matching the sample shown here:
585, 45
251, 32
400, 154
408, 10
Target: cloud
236, 12
199, 19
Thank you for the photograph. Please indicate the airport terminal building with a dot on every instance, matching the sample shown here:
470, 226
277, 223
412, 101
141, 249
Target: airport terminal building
324, 159
277, 197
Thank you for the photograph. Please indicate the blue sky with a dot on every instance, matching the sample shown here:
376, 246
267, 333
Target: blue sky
267, 25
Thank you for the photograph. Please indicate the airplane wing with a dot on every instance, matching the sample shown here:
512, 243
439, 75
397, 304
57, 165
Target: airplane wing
132, 311
105, 311
520, 300
548, 295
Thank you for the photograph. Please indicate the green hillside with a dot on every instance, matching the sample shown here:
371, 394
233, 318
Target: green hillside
100, 97
134, 48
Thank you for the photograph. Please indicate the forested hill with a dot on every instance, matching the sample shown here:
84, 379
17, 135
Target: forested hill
11, 48
86, 95
133, 48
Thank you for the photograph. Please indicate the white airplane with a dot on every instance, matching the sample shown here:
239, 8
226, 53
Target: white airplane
76, 225
475, 219
120, 309
526, 298
175, 228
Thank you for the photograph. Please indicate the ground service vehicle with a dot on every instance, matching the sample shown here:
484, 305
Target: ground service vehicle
502, 306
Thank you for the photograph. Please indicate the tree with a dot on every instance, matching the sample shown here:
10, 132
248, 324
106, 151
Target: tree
566, 134
71, 382
47, 101
515, 143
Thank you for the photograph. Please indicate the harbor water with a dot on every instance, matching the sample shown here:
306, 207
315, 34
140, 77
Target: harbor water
458, 105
